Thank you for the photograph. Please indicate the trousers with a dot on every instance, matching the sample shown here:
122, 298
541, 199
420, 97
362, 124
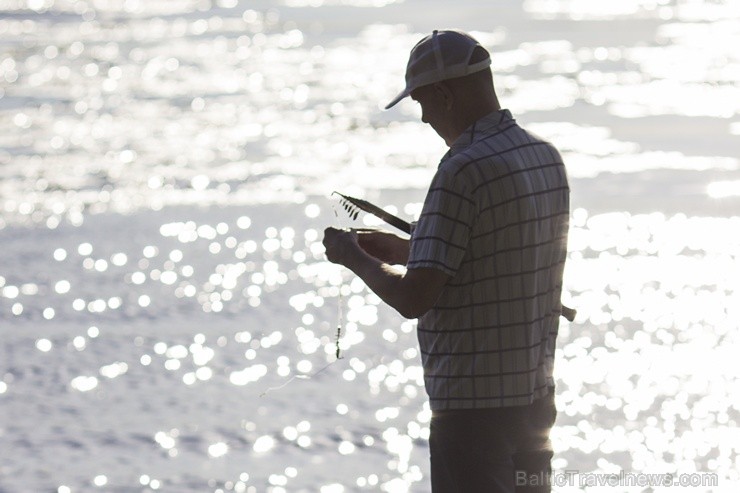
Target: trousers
496, 450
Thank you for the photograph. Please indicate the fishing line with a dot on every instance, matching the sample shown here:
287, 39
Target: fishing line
340, 324
340, 316
301, 377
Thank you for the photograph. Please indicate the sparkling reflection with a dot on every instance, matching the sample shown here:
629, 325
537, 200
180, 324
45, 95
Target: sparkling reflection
165, 167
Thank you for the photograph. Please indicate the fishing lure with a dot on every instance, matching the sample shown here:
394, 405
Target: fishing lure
353, 206
340, 322
339, 334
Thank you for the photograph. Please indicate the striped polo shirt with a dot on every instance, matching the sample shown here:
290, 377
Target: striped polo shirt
495, 218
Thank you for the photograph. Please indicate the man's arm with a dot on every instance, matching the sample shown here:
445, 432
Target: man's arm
411, 293
384, 246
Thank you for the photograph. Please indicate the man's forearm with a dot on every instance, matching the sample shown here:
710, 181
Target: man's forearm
412, 293
384, 280
385, 246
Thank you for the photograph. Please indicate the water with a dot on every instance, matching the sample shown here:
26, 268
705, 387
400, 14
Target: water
168, 319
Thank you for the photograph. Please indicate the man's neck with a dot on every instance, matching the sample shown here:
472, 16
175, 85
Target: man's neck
467, 118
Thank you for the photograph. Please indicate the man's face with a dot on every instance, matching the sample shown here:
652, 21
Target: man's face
433, 110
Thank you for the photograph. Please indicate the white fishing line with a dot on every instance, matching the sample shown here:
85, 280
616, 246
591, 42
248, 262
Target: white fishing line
340, 324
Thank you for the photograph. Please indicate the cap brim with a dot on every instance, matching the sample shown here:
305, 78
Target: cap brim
400, 96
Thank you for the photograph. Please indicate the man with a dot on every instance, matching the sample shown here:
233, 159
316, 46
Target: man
484, 275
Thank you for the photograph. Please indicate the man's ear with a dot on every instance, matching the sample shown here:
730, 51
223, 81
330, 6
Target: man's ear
445, 93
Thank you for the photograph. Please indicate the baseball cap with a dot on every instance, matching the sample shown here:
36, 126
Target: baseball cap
440, 56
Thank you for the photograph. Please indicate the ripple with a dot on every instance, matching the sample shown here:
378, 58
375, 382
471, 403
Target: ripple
217, 133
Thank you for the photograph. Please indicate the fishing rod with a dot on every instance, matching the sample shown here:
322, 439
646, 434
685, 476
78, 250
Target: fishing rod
353, 206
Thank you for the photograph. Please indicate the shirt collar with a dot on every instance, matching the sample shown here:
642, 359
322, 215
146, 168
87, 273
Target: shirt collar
481, 127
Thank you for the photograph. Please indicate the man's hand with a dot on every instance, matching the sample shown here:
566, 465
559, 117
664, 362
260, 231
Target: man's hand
340, 245
383, 245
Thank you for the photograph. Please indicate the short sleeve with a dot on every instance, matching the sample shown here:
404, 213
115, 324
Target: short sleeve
442, 232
